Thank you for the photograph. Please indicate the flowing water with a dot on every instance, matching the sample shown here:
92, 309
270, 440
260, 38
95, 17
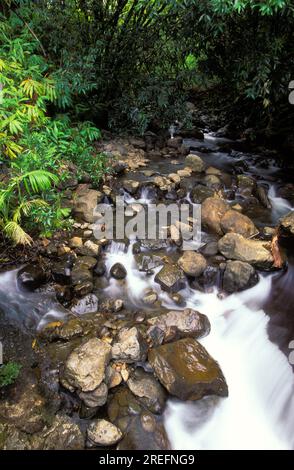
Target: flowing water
258, 414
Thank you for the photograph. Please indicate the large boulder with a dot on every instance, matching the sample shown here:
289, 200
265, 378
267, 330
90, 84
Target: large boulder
85, 366
180, 324
239, 276
233, 221
212, 211
187, 371
235, 247
129, 346
148, 390
103, 433
195, 163
193, 264
171, 278
85, 202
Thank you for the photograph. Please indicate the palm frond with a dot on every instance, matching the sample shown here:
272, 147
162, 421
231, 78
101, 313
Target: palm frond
14, 231
39, 180
26, 207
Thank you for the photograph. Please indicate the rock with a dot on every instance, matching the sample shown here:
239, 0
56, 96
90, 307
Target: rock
96, 398
195, 163
142, 430
170, 278
262, 196
235, 247
129, 346
148, 390
61, 271
210, 249
25, 410
246, 185
176, 142
150, 298
93, 247
85, 366
138, 143
63, 434
84, 262
112, 305
119, 166
118, 271
213, 171
233, 221
103, 433
185, 172
63, 250
112, 377
184, 323
163, 183
286, 226
100, 268
187, 371
31, 277
63, 294
85, 203
122, 406
239, 276
175, 178
131, 186
212, 181
87, 233
82, 280
64, 331
83, 288
193, 264
212, 211
146, 432
200, 193
87, 304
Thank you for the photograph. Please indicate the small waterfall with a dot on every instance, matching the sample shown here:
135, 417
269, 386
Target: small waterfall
31, 310
280, 206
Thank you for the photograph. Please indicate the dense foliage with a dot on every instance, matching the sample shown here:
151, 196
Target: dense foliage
34, 147
125, 65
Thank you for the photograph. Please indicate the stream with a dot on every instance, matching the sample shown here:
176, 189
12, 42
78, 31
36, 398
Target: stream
245, 336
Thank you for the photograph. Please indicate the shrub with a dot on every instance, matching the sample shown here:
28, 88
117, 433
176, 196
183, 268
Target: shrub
9, 373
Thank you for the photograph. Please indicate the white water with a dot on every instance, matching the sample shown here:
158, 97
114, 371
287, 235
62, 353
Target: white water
258, 414
30, 309
280, 206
